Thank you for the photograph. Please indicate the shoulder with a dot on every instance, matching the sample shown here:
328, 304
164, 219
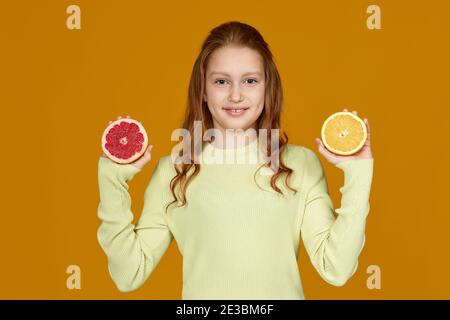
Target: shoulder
298, 154
165, 166
162, 174
165, 161
297, 150
304, 159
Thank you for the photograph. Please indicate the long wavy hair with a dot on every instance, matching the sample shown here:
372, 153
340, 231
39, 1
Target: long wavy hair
241, 35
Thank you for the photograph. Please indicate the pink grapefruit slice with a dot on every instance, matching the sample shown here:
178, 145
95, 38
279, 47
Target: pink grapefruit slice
124, 140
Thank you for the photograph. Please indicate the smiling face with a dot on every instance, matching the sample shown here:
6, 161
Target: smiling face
235, 86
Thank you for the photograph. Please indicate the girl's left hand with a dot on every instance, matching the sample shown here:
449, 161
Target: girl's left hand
364, 153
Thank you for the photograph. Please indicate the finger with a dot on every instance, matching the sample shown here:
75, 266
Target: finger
128, 117
320, 146
119, 117
345, 110
326, 153
368, 129
110, 122
354, 112
318, 142
146, 157
367, 124
148, 151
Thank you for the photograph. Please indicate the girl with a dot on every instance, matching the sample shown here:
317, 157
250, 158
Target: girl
237, 226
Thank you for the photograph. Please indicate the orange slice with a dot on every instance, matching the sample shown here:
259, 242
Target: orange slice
344, 133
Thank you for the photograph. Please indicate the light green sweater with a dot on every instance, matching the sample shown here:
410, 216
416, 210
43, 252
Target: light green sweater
237, 241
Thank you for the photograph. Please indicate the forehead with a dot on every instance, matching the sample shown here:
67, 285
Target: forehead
235, 61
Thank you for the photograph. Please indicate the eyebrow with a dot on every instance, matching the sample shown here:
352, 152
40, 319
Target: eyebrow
226, 74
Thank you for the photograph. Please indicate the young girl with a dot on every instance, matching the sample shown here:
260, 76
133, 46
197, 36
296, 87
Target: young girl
237, 226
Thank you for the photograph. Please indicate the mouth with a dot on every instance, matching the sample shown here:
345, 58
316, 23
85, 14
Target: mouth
234, 111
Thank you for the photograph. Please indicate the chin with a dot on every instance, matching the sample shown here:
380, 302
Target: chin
237, 125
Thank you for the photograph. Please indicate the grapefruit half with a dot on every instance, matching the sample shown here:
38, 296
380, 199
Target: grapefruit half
344, 133
124, 140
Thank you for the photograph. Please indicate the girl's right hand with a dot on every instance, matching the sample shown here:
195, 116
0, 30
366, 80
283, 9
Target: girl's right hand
143, 160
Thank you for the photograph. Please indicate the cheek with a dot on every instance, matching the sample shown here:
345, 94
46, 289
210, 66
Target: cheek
258, 97
215, 97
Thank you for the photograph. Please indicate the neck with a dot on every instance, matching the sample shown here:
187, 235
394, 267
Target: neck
233, 139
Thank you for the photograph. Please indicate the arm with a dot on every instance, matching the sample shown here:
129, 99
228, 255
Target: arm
133, 252
334, 244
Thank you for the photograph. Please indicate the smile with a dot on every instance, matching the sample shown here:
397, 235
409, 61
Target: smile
235, 112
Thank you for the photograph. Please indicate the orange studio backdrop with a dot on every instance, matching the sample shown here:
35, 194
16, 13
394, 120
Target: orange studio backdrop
64, 77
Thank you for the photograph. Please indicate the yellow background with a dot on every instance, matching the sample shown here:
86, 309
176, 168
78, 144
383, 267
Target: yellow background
60, 87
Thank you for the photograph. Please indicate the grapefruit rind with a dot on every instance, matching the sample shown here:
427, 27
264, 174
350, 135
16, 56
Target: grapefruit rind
138, 154
338, 151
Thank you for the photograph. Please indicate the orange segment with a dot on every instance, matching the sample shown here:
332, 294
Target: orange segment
344, 133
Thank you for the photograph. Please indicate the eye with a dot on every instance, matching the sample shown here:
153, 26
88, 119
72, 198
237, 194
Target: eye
222, 80
254, 81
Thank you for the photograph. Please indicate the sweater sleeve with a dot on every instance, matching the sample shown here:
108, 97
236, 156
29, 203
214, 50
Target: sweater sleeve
132, 251
334, 244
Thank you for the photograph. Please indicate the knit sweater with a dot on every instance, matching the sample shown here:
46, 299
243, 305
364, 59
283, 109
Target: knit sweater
238, 239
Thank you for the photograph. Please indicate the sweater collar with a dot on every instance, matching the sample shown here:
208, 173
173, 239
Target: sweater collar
245, 154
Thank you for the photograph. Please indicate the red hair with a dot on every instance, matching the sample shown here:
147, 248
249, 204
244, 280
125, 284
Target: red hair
240, 35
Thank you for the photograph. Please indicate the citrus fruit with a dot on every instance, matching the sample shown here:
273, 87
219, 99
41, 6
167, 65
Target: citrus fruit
124, 140
344, 133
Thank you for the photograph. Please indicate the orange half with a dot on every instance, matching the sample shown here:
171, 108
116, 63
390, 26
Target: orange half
344, 133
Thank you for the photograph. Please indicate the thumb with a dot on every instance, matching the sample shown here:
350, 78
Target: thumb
317, 141
319, 144
148, 153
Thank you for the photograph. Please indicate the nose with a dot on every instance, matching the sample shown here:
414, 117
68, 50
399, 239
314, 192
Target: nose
235, 94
